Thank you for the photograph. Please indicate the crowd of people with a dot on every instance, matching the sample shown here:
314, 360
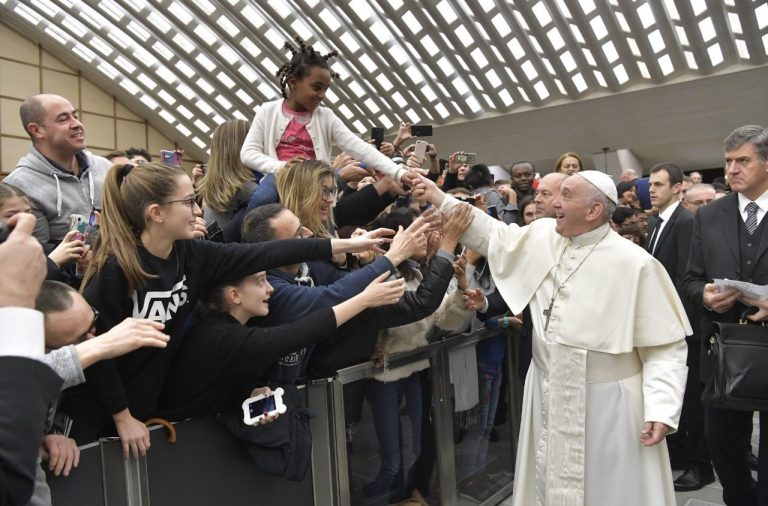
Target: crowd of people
180, 296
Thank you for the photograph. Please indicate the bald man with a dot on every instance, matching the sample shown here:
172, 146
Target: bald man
547, 192
697, 196
60, 177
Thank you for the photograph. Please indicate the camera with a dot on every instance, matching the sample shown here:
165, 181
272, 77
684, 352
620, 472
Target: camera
466, 158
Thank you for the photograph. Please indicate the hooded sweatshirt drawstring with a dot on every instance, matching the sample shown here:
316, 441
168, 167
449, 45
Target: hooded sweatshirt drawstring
90, 185
58, 194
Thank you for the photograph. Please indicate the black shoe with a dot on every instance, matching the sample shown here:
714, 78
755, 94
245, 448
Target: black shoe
751, 460
693, 479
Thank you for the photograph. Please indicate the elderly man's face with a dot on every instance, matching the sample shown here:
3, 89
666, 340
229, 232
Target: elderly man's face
695, 177
573, 207
70, 326
546, 193
698, 197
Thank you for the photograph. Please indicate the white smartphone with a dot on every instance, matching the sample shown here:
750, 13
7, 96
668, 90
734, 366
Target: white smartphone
421, 149
256, 408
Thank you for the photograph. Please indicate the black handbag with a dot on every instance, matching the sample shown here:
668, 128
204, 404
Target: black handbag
738, 356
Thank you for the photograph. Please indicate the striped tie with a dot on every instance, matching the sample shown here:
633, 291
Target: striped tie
751, 222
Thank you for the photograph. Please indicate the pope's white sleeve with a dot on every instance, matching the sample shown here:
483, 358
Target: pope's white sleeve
664, 377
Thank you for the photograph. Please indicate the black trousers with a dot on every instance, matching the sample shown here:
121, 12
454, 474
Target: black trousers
728, 434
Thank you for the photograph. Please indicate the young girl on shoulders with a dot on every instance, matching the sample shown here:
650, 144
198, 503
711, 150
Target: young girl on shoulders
297, 125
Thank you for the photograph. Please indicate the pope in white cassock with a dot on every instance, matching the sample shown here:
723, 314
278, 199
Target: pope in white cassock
608, 373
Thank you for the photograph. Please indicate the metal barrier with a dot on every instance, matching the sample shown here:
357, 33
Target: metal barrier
326, 397
207, 466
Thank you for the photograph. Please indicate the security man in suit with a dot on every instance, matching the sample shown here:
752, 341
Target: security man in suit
730, 240
669, 241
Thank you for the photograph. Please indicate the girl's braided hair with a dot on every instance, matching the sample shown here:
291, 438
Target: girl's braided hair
303, 58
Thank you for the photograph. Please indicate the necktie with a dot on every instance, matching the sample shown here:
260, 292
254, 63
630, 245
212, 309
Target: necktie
655, 234
751, 222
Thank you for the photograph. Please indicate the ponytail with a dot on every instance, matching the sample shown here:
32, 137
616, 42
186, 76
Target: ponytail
128, 191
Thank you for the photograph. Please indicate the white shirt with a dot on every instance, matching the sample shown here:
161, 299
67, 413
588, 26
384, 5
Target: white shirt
665, 216
22, 333
762, 206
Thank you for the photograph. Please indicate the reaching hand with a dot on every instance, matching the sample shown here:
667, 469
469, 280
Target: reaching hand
387, 148
404, 133
341, 161
411, 242
429, 191
474, 300
410, 178
61, 453
354, 171
460, 272
369, 241
129, 335
456, 223
382, 293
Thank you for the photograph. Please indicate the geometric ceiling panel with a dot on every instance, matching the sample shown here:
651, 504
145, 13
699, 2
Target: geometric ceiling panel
194, 64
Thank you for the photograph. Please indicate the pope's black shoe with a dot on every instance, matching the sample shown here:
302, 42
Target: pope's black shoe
693, 479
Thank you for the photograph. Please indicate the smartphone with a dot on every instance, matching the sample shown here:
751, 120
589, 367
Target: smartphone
204, 167
171, 157
79, 224
443, 164
377, 134
421, 130
466, 158
256, 408
421, 149
493, 212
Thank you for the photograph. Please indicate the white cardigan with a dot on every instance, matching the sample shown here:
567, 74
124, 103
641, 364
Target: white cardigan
259, 151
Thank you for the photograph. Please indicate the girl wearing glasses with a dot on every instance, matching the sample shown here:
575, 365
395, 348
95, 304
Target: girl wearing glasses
146, 265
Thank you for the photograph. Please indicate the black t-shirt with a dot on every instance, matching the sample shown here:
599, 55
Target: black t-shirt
135, 380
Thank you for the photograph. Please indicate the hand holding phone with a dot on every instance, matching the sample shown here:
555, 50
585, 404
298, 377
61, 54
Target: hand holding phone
421, 150
256, 409
377, 134
421, 130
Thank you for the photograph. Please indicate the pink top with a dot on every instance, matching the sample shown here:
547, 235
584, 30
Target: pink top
296, 140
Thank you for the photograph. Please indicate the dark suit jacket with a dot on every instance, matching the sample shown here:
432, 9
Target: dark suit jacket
715, 254
27, 388
674, 244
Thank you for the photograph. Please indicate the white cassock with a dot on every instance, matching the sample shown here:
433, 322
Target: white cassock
611, 358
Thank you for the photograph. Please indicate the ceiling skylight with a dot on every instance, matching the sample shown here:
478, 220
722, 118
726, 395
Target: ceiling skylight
190, 65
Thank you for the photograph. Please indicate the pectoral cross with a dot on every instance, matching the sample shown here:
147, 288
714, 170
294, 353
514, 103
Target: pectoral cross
548, 313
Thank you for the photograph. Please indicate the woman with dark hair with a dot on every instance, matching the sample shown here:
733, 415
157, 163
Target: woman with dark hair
480, 181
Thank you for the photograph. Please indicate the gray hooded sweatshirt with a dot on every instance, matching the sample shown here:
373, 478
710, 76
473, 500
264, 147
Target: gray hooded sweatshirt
55, 195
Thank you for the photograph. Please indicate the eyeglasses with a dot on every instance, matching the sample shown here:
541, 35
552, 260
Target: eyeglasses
191, 202
330, 193
92, 328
